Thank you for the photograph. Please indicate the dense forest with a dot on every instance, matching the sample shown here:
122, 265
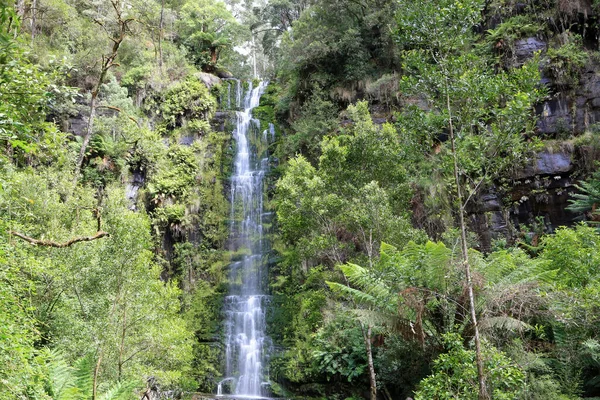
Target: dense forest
432, 196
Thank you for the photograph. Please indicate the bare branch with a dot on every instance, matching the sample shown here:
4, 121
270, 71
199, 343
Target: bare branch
50, 243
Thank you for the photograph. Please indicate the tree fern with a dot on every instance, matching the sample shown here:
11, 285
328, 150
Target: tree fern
76, 383
61, 385
589, 196
84, 376
356, 295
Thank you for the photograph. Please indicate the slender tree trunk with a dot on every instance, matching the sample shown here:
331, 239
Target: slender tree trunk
107, 63
33, 19
95, 381
213, 56
372, 376
122, 345
483, 393
160, 34
21, 9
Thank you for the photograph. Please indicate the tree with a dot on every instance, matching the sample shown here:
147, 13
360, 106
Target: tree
485, 114
205, 29
356, 197
117, 30
403, 292
454, 375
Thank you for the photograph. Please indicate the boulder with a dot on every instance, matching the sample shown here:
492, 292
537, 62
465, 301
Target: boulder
209, 80
224, 74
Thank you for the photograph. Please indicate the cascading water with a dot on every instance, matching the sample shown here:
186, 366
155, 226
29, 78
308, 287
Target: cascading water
246, 342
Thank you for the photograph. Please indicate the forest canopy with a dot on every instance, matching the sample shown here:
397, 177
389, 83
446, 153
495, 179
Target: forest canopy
429, 211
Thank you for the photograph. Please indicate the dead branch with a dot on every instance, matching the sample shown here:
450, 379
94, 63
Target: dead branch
120, 111
50, 243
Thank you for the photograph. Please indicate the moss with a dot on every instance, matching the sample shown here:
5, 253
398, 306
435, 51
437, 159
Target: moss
566, 62
186, 100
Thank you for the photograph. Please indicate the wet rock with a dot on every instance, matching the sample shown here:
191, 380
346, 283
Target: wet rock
554, 116
224, 74
219, 120
548, 163
187, 140
132, 188
77, 125
490, 202
209, 80
525, 49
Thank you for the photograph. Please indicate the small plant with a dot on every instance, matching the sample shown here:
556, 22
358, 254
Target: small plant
565, 63
502, 39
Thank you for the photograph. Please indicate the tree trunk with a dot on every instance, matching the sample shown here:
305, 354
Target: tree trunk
483, 393
372, 377
107, 63
95, 381
213, 56
33, 19
160, 34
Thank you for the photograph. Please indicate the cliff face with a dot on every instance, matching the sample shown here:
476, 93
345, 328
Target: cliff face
534, 200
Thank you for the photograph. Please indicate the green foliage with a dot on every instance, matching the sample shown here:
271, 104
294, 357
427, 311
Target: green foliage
205, 29
502, 39
186, 101
573, 253
338, 44
316, 119
76, 383
20, 370
566, 62
25, 94
455, 376
588, 197
404, 291
340, 350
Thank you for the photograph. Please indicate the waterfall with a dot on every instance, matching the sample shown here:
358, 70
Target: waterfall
246, 344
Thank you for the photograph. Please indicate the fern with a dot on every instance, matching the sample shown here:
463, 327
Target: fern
505, 322
61, 385
355, 294
84, 370
76, 383
589, 196
119, 391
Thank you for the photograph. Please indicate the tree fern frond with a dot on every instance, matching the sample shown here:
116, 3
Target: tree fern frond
84, 372
119, 391
356, 295
363, 279
375, 318
504, 322
61, 382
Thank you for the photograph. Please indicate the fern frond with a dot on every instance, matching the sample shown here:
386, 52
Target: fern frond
119, 391
61, 381
363, 279
84, 372
504, 322
354, 294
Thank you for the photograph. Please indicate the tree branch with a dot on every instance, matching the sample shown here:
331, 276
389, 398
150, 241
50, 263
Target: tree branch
50, 243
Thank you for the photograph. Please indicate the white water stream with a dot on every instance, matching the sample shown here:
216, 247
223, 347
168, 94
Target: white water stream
246, 344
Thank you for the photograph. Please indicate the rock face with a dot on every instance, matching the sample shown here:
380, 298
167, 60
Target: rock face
574, 113
525, 49
536, 200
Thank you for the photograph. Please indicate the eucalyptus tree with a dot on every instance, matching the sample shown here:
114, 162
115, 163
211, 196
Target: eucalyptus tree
116, 22
486, 115
206, 28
